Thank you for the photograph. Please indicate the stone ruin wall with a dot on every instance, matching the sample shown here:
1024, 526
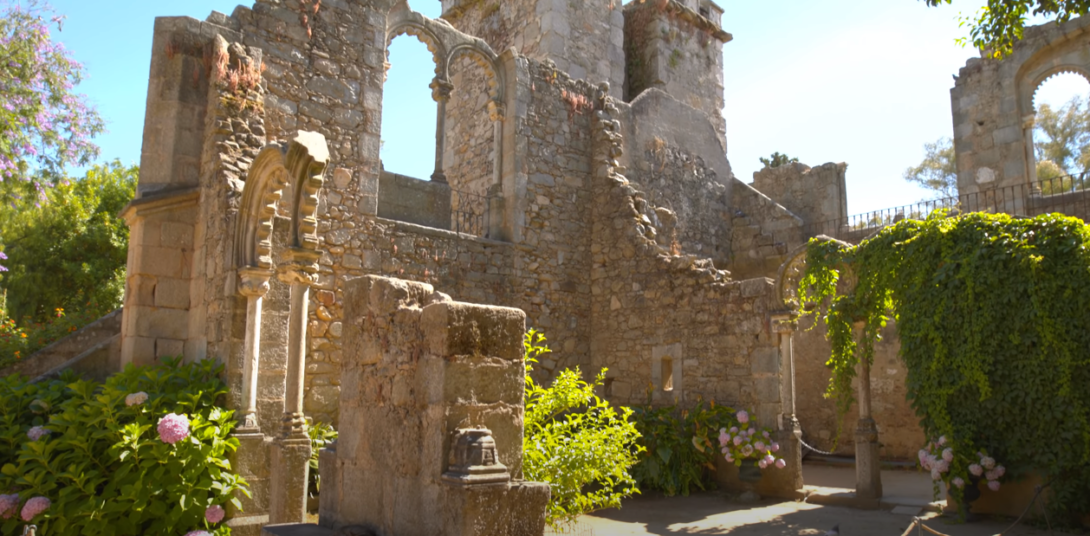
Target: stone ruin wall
469, 158
763, 232
419, 366
816, 195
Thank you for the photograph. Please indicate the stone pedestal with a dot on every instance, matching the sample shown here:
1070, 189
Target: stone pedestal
868, 475
251, 461
288, 500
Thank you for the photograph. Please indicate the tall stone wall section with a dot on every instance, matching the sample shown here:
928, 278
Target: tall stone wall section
993, 108
470, 156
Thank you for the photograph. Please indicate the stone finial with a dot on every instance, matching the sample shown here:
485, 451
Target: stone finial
473, 459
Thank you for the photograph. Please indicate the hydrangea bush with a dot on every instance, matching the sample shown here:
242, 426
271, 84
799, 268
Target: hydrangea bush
143, 453
956, 470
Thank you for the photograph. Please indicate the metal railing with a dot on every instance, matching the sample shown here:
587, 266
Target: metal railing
469, 213
1069, 195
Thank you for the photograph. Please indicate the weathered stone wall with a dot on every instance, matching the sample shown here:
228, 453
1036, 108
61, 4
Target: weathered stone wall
993, 108
762, 233
674, 48
817, 195
469, 157
417, 367
412, 200
584, 38
899, 432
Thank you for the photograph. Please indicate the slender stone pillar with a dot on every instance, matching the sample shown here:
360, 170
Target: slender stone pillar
440, 91
290, 456
790, 433
868, 474
254, 284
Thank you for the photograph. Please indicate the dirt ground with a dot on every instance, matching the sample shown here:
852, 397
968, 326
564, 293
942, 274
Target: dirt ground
716, 513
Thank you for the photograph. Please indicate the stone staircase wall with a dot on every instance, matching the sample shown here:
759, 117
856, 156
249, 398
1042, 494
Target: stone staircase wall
93, 352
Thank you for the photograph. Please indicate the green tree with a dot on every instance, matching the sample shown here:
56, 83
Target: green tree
69, 252
1062, 136
44, 125
938, 171
998, 25
576, 442
777, 160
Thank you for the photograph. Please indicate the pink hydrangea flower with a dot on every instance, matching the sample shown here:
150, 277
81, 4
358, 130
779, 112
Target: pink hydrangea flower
214, 514
781, 463
734, 429
1000, 471
743, 417
943, 466
948, 455
760, 445
959, 482
765, 433
990, 475
976, 469
762, 464
737, 440
34, 507
9, 505
770, 459
935, 474
775, 447
942, 440
173, 428
993, 485
724, 438
747, 450
136, 399
37, 433
922, 455
729, 458
988, 462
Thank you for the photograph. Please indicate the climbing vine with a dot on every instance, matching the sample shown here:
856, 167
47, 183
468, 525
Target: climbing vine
993, 313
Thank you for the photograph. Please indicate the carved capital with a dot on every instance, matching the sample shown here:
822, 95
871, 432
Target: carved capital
253, 281
785, 323
497, 111
440, 90
299, 265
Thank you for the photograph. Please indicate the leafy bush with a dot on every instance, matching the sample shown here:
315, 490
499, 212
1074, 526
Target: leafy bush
144, 453
992, 315
321, 434
680, 446
576, 442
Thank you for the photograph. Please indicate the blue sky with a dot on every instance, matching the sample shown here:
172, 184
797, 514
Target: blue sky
865, 83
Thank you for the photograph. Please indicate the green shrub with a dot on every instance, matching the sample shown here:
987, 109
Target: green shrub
321, 434
104, 465
680, 447
576, 442
19, 342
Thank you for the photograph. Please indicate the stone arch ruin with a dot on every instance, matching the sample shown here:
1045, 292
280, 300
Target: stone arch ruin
993, 105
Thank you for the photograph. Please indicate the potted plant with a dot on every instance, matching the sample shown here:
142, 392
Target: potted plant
960, 473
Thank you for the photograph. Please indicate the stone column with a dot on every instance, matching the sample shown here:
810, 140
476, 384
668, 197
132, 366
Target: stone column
440, 91
290, 459
784, 323
868, 475
254, 284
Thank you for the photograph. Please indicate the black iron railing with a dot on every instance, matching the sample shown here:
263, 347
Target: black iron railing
1069, 195
468, 213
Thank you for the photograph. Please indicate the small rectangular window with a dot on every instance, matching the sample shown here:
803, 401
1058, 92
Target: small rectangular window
667, 374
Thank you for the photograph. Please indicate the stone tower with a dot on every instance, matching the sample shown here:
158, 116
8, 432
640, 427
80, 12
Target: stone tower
676, 46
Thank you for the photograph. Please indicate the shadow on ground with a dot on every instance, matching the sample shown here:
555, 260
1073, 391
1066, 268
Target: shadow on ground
716, 513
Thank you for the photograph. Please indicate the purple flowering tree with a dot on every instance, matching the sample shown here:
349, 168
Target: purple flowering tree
44, 124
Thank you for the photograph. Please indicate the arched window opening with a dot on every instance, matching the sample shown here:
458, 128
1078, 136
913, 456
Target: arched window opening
408, 110
1061, 134
470, 150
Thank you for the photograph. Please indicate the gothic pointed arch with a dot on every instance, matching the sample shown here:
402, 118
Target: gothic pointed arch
300, 163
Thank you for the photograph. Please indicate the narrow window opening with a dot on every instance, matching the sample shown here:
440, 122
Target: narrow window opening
667, 365
1061, 149
607, 388
407, 144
